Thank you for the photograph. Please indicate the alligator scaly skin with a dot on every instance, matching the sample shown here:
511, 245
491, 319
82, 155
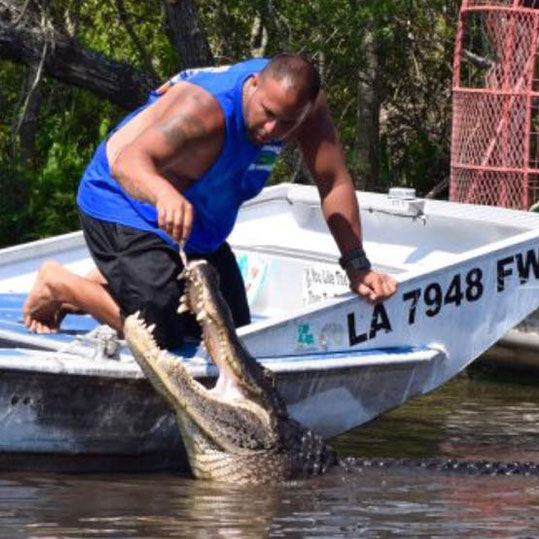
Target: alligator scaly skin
240, 431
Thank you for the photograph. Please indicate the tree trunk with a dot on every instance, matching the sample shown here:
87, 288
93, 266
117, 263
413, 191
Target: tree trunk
368, 118
187, 34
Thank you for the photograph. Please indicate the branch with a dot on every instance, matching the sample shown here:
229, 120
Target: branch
438, 188
479, 61
68, 61
259, 38
30, 94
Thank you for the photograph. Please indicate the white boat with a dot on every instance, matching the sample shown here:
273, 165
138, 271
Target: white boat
467, 274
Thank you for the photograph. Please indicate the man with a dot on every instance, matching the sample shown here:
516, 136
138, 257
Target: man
176, 171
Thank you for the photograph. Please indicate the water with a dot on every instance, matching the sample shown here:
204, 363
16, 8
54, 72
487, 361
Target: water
467, 418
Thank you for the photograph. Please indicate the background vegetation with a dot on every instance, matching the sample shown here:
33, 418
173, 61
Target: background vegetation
70, 69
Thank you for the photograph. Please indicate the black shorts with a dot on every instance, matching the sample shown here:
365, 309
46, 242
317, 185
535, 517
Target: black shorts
142, 271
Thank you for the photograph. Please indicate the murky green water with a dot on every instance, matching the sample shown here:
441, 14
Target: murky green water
466, 418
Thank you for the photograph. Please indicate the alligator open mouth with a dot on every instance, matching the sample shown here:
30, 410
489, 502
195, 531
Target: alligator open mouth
202, 298
239, 430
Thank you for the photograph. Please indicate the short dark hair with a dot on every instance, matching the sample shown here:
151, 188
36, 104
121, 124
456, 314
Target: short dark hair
298, 69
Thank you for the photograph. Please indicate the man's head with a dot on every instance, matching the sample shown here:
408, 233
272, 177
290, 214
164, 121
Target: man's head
277, 99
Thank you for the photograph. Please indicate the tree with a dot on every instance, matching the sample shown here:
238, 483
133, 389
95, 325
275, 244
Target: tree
70, 69
63, 48
34, 34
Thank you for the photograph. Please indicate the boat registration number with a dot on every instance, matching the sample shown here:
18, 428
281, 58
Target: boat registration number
463, 287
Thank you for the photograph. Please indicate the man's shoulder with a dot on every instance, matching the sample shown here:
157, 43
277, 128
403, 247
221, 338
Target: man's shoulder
225, 79
209, 93
192, 101
219, 72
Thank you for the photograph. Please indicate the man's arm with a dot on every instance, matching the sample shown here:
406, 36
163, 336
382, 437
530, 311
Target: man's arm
324, 156
183, 127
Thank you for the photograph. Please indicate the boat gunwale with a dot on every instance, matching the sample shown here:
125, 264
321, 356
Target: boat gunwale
52, 362
515, 219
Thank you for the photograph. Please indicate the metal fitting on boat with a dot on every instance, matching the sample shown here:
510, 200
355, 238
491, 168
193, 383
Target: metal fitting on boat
402, 201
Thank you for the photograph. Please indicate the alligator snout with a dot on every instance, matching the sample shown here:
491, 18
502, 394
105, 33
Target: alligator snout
240, 430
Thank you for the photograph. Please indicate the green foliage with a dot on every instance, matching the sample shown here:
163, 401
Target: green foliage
14, 221
103, 30
394, 55
13, 179
52, 191
39, 198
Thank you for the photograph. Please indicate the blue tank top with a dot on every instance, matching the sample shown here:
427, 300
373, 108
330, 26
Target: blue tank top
238, 174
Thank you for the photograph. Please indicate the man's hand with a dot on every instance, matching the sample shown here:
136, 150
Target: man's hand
372, 286
175, 215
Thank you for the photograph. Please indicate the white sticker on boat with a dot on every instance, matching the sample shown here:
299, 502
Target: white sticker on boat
253, 270
322, 281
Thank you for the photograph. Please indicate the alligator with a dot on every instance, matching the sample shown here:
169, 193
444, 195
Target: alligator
238, 431
443, 465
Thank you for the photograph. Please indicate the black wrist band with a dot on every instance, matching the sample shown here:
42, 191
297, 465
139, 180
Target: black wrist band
356, 259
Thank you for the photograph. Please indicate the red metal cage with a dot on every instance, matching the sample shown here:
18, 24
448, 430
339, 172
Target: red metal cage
495, 136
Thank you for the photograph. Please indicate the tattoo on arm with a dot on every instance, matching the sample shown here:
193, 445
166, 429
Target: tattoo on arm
178, 131
182, 128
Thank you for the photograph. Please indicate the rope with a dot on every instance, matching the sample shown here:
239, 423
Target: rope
103, 339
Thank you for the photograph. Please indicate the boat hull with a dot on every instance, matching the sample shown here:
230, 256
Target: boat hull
82, 422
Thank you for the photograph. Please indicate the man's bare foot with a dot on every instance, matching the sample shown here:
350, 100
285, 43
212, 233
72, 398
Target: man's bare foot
42, 311
57, 292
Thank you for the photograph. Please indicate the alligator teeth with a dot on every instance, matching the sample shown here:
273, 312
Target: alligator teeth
201, 316
183, 298
183, 308
151, 328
